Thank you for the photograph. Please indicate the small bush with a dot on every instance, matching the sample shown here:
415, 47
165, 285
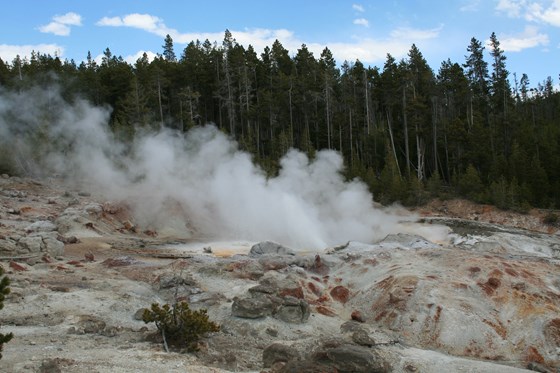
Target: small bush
180, 326
551, 219
4, 290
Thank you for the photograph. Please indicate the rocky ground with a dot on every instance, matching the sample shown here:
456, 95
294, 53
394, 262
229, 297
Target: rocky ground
487, 300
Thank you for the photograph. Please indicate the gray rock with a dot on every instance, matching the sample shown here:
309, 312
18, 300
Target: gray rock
170, 280
293, 310
138, 315
51, 244
264, 289
31, 243
50, 366
307, 366
89, 325
8, 245
253, 308
352, 358
272, 332
536, 367
276, 262
351, 327
362, 338
94, 209
278, 352
14, 193
269, 248
41, 226
70, 219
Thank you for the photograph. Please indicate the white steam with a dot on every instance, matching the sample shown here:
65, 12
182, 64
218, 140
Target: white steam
200, 182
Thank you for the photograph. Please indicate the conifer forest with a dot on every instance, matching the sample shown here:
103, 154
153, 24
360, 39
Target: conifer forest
410, 131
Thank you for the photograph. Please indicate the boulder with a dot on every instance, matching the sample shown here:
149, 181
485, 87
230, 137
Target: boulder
362, 338
307, 366
340, 294
31, 243
51, 244
253, 308
94, 209
269, 248
278, 352
41, 226
293, 310
357, 316
351, 358
8, 245
88, 324
319, 267
170, 280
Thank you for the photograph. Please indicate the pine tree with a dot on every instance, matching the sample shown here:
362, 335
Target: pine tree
500, 91
476, 70
168, 52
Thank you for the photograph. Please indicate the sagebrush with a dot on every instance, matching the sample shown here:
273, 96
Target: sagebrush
4, 290
180, 326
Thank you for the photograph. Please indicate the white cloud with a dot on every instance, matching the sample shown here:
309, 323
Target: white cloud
550, 15
110, 21
144, 22
512, 8
470, 6
69, 18
416, 34
362, 22
61, 24
131, 59
56, 29
367, 50
530, 38
543, 11
358, 8
9, 52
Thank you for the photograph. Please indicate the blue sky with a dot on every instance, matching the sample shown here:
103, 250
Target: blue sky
529, 30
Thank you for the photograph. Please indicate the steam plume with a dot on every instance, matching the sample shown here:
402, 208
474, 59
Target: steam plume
216, 188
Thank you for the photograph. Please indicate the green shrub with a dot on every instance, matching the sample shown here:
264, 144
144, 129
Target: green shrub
470, 185
551, 219
180, 326
4, 290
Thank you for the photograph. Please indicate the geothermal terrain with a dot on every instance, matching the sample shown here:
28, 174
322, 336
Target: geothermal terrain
484, 297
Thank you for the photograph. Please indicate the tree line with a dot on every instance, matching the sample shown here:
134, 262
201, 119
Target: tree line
470, 130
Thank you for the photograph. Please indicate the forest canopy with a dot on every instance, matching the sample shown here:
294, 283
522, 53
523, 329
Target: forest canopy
469, 129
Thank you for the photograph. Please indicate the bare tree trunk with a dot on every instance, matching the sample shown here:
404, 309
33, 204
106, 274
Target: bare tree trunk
389, 125
159, 102
247, 99
405, 123
291, 116
351, 145
328, 114
181, 114
434, 130
367, 102
231, 113
419, 144
340, 137
471, 114
420, 155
